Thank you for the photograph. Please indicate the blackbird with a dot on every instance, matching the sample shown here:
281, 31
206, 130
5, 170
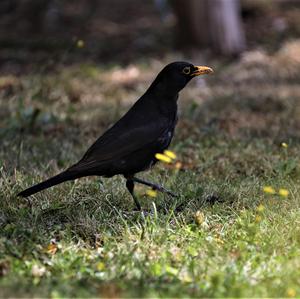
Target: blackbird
130, 145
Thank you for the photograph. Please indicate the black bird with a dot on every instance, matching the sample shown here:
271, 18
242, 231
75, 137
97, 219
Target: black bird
131, 144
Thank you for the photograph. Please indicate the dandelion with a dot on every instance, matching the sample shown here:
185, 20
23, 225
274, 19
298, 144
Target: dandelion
80, 43
258, 218
166, 157
269, 190
283, 192
100, 266
163, 158
283, 144
151, 193
260, 208
291, 293
170, 154
219, 241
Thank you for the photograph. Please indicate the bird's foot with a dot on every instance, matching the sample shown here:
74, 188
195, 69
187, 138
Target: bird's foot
164, 190
154, 186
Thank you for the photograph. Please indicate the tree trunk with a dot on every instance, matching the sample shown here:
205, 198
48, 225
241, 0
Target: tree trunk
210, 23
226, 29
191, 15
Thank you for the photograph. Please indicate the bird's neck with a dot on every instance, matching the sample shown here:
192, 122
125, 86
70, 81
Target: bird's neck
168, 107
164, 103
163, 98
163, 89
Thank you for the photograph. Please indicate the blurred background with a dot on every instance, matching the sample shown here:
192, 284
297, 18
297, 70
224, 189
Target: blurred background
79, 65
123, 32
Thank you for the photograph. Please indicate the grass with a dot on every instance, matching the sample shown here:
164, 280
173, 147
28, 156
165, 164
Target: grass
223, 236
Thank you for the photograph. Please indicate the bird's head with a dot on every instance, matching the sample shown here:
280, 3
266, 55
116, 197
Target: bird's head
176, 75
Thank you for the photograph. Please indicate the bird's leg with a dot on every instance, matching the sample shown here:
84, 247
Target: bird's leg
130, 187
153, 186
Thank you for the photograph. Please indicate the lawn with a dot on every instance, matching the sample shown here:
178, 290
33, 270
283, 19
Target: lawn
224, 236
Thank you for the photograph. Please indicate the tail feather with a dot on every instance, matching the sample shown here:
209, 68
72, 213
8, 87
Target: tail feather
62, 177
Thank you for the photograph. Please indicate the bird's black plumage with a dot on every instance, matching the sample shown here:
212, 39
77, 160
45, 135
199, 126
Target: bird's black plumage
131, 144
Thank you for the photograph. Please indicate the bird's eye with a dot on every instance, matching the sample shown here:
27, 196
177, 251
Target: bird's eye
186, 70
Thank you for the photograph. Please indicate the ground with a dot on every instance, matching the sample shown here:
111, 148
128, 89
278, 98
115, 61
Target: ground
224, 236
234, 229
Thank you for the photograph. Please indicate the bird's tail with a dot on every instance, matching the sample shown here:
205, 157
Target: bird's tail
62, 177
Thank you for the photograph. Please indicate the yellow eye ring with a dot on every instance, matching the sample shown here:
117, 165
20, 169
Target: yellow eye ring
186, 70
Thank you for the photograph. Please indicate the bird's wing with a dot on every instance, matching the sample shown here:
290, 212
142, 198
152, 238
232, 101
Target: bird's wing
121, 141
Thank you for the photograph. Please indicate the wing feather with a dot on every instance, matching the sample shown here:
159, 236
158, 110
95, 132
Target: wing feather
116, 144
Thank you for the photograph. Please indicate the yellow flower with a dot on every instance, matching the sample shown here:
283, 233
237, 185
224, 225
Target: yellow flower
283, 192
219, 240
260, 208
291, 293
258, 218
51, 248
100, 266
283, 144
163, 158
80, 43
170, 154
151, 193
269, 189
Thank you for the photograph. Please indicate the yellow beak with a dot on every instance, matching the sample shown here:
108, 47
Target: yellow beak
202, 70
